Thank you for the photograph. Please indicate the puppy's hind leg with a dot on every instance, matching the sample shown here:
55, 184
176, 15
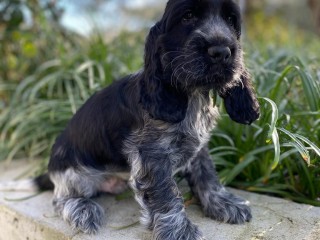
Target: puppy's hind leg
73, 189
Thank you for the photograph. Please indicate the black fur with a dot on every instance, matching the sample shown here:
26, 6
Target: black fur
93, 136
43, 182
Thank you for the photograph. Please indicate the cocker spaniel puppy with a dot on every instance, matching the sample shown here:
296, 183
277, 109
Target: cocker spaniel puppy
157, 122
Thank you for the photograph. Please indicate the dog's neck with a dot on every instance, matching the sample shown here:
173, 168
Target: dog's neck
200, 100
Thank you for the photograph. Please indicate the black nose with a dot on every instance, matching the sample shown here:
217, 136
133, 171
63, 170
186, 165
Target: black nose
219, 54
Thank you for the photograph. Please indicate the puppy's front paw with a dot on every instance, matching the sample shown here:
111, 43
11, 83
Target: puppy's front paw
226, 207
175, 227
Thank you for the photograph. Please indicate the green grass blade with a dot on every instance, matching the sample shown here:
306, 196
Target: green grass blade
298, 145
224, 136
71, 96
272, 133
314, 147
239, 168
274, 118
277, 91
276, 144
311, 90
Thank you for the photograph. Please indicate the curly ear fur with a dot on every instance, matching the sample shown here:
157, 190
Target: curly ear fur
158, 97
241, 103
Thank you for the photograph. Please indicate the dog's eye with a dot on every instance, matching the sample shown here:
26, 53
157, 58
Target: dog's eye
232, 20
188, 16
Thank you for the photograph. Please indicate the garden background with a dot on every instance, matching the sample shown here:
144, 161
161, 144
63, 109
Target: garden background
55, 54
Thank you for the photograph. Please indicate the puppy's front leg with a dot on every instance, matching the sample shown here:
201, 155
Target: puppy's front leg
217, 202
158, 194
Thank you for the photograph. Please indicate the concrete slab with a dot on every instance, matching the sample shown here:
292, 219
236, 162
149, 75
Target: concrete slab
34, 219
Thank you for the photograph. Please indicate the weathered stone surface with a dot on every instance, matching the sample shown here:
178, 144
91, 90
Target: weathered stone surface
33, 218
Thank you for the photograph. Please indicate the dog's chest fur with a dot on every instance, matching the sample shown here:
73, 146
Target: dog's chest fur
177, 142
200, 118
193, 133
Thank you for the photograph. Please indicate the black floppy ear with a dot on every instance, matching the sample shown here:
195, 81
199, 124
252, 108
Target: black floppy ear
151, 51
157, 96
241, 103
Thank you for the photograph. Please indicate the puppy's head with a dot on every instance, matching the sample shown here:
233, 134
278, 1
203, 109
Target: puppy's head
196, 44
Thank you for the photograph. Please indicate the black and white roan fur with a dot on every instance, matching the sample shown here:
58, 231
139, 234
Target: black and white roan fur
157, 122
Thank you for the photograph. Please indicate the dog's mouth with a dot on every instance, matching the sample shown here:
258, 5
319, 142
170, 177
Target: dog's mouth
200, 71
217, 79
220, 72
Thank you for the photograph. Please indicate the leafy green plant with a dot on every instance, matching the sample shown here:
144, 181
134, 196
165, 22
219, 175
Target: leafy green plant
277, 154
42, 103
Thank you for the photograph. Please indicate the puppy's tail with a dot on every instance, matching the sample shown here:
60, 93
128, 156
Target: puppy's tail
40, 183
